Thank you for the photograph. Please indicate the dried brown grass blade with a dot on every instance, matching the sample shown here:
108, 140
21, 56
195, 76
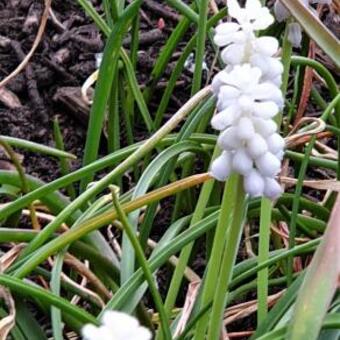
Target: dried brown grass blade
7, 259
307, 85
188, 306
331, 184
8, 322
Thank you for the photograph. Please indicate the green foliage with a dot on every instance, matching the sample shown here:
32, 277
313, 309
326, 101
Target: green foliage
203, 214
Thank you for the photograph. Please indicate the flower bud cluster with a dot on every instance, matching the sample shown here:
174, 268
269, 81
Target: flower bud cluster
116, 326
248, 97
294, 29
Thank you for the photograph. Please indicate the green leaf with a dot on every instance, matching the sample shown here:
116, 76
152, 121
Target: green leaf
30, 290
36, 147
104, 84
147, 178
320, 284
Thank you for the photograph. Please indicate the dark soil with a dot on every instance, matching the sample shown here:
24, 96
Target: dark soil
64, 59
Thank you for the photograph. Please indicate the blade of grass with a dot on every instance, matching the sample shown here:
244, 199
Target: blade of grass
106, 73
113, 125
64, 164
320, 284
144, 265
184, 9
200, 46
37, 148
30, 290
57, 327
145, 181
132, 80
164, 57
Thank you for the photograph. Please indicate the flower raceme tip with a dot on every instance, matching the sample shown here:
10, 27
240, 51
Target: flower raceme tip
294, 29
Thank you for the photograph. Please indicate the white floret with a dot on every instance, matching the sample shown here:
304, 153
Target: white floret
221, 166
268, 165
228, 139
272, 188
257, 146
265, 127
245, 129
254, 184
242, 163
225, 118
275, 143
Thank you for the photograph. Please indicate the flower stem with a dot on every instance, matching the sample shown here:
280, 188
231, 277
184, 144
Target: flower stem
234, 233
229, 206
262, 276
200, 46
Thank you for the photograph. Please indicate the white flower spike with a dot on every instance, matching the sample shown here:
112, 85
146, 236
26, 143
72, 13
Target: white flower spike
248, 98
116, 326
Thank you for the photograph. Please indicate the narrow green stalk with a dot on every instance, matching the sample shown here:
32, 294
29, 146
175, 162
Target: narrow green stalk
64, 164
55, 284
24, 183
165, 55
130, 107
287, 49
91, 11
317, 98
228, 205
234, 233
107, 72
36, 147
113, 126
200, 46
33, 291
184, 9
186, 251
144, 265
108, 12
262, 276
266, 205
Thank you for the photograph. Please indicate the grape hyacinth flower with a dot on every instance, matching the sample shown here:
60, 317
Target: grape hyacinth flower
294, 29
248, 98
116, 326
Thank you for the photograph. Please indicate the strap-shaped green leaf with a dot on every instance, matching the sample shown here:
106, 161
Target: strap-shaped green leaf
104, 84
